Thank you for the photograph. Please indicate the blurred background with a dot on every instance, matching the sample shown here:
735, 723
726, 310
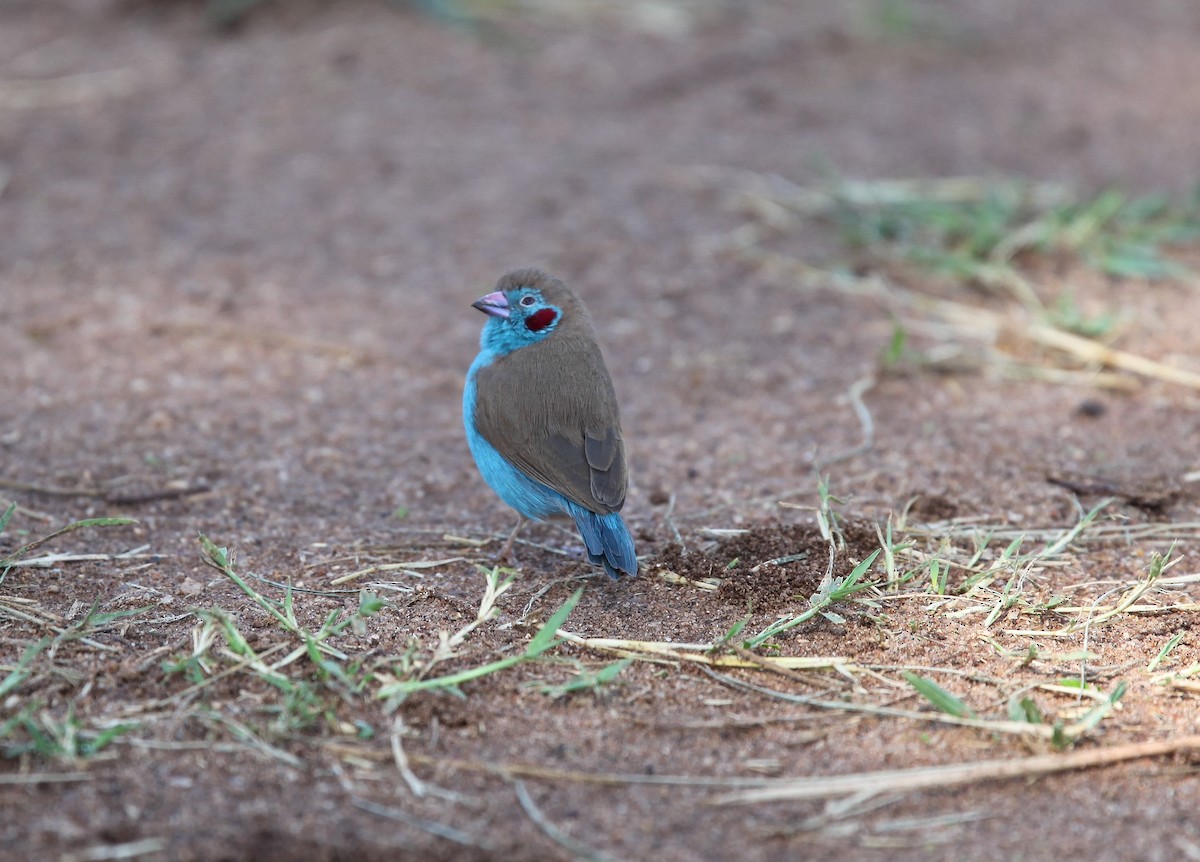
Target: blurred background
238, 239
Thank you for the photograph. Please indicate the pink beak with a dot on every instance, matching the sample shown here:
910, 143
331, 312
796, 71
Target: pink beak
494, 304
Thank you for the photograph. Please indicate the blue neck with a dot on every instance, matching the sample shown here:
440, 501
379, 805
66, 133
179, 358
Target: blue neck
499, 337
486, 356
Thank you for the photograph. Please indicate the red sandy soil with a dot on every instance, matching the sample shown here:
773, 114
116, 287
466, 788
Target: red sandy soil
235, 275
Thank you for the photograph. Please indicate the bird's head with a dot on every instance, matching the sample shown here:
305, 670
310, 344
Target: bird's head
526, 307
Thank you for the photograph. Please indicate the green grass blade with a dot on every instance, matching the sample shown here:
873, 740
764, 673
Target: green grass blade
1024, 709
546, 636
7, 516
1154, 662
851, 583
450, 680
544, 640
21, 672
1097, 713
95, 743
70, 528
938, 696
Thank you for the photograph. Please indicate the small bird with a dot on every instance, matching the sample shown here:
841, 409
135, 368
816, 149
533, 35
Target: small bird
541, 415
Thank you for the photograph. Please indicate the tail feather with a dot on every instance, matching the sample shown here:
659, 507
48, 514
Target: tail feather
607, 540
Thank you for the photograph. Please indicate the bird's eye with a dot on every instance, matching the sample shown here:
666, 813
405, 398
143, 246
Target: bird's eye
528, 301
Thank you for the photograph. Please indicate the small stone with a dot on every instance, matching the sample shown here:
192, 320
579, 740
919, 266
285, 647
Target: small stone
191, 587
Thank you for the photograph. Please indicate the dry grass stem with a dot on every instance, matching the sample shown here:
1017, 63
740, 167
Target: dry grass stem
43, 777
67, 89
928, 778
575, 848
705, 654
409, 567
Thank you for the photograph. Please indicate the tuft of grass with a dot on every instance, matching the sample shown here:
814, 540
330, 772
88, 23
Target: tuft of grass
1164, 652
982, 237
34, 731
544, 640
7, 562
952, 571
307, 697
316, 644
314, 677
585, 680
27, 728
831, 591
902, 236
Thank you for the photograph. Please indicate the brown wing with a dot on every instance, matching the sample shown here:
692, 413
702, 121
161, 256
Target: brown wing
550, 410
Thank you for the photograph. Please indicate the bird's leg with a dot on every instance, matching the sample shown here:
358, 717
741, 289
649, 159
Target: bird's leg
506, 551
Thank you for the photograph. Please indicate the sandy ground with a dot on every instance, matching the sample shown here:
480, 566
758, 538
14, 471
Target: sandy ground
235, 272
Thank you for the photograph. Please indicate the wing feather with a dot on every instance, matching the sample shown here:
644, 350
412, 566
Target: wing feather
551, 411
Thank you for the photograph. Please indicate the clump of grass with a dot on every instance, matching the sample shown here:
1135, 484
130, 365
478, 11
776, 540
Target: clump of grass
310, 698
977, 237
35, 731
955, 573
27, 727
972, 232
831, 591
585, 680
8, 561
1022, 710
544, 640
315, 644
307, 698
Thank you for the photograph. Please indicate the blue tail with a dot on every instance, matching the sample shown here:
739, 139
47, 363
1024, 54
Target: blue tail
608, 541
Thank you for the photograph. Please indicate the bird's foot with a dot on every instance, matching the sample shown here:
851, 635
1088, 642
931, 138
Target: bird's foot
506, 554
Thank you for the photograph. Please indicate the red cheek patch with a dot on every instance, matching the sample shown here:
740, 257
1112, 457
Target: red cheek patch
541, 319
